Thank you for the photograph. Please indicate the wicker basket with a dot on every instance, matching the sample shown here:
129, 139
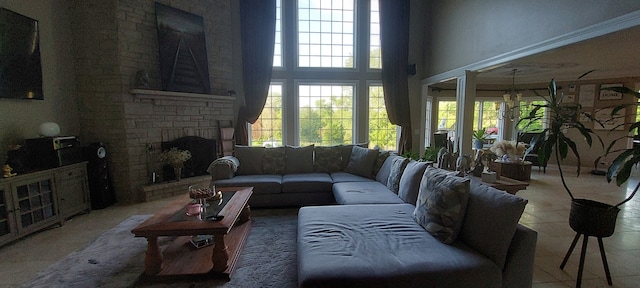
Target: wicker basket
593, 218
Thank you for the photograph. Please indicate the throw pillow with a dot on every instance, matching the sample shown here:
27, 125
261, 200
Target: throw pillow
274, 161
383, 155
298, 159
393, 182
250, 159
361, 161
441, 204
346, 153
328, 159
410, 181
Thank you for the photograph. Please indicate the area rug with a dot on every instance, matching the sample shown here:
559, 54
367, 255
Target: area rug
116, 258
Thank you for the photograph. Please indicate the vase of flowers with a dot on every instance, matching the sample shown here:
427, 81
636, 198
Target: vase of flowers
175, 158
508, 151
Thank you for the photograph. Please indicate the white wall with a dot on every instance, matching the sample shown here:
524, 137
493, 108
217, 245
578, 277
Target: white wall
462, 32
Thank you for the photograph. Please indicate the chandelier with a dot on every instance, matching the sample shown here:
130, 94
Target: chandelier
511, 98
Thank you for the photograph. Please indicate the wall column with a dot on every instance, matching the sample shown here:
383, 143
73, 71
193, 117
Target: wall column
465, 98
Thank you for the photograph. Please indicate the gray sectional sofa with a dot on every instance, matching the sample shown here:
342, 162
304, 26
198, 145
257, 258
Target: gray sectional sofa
387, 221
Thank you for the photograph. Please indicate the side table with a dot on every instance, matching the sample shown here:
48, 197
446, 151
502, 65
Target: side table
518, 171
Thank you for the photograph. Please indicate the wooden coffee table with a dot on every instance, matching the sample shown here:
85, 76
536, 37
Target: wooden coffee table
181, 260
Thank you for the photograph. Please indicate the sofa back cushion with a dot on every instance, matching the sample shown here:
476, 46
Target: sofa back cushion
382, 156
250, 159
491, 220
442, 204
298, 159
346, 152
397, 167
273, 162
409, 185
361, 161
383, 174
327, 159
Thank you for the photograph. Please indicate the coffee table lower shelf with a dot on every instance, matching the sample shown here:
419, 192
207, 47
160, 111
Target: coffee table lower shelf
183, 262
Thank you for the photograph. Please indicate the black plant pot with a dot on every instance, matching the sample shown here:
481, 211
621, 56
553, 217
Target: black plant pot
593, 218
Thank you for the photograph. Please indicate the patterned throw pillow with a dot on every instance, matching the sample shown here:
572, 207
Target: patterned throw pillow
273, 161
393, 182
328, 159
441, 205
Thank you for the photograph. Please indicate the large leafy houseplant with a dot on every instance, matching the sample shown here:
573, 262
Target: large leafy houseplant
587, 217
555, 139
622, 165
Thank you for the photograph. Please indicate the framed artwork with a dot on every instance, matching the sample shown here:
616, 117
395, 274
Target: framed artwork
609, 122
569, 99
608, 94
183, 54
20, 64
587, 95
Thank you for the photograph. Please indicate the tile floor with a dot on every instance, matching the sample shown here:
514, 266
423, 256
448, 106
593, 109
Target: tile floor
547, 213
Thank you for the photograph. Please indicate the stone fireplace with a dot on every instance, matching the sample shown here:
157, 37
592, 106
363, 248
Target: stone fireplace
113, 40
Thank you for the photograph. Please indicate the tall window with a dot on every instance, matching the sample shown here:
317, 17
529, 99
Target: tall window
267, 131
277, 49
326, 33
486, 115
525, 110
322, 77
325, 114
375, 62
382, 133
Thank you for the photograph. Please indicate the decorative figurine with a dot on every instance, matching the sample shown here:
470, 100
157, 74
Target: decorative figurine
7, 171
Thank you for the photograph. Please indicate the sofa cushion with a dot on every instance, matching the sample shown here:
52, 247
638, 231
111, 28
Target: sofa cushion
385, 169
273, 161
372, 192
410, 181
250, 159
491, 220
382, 156
327, 159
262, 183
307, 182
361, 161
348, 177
393, 182
441, 204
299, 159
346, 152
380, 245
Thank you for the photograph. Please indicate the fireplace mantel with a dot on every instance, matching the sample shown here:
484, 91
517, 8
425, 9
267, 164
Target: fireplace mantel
170, 95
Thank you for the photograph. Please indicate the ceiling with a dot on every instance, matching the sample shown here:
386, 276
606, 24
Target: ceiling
614, 55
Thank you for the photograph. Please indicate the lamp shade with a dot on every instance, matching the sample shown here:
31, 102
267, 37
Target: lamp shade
49, 129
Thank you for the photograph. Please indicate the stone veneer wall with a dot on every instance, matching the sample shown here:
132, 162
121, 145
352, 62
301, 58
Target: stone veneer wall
112, 41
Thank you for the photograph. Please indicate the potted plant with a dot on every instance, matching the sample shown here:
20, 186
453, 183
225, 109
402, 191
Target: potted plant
479, 136
586, 217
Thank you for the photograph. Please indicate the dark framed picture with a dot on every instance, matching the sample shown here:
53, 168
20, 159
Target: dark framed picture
606, 94
182, 51
20, 64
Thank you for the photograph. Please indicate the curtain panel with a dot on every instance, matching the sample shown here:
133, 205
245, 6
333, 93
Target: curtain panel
258, 24
394, 42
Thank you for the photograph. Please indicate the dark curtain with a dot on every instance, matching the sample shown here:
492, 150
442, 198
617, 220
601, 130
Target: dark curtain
258, 24
394, 38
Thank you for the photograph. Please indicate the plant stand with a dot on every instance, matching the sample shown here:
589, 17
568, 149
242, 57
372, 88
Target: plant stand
591, 218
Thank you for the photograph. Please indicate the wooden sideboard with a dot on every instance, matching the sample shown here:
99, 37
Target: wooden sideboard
34, 201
